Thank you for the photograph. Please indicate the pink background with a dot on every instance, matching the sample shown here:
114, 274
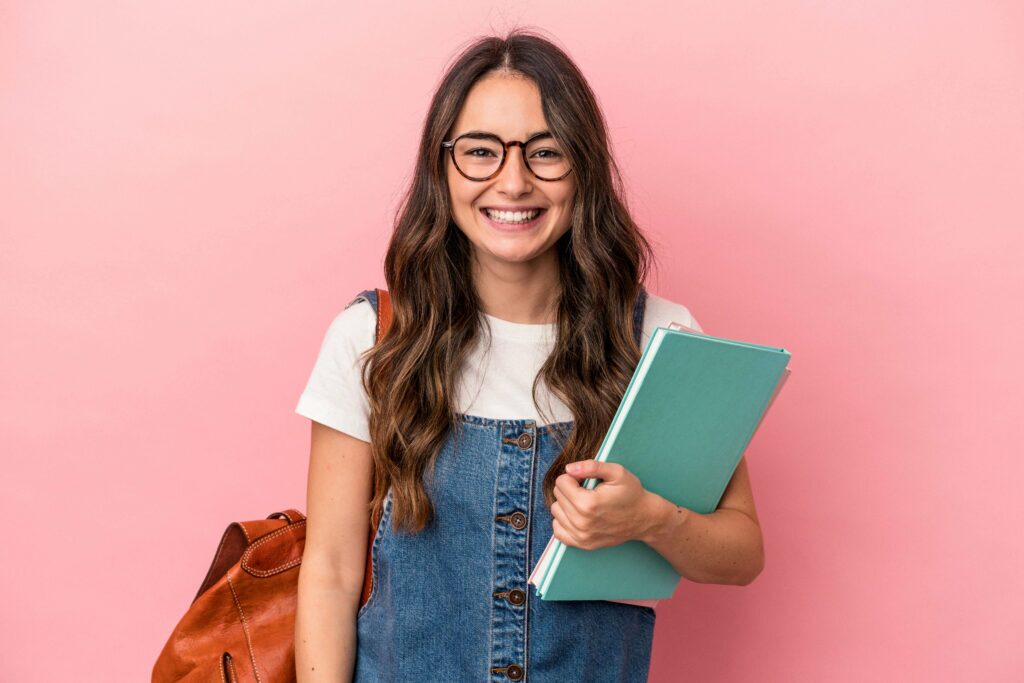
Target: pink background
191, 191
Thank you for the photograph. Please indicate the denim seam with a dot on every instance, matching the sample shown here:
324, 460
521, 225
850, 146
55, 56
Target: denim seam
494, 576
378, 539
529, 559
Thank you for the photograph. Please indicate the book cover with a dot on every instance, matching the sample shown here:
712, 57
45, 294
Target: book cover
688, 413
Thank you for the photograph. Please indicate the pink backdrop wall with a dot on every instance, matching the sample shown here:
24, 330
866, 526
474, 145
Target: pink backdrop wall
190, 192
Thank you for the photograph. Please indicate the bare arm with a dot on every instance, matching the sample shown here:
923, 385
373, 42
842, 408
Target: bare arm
334, 560
724, 546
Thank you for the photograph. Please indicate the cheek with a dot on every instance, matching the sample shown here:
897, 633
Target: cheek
564, 195
570, 193
566, 201
460, 195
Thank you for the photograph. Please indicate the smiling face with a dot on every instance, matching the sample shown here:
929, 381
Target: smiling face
508, 106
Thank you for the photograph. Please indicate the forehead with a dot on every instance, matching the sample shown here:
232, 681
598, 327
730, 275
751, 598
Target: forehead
505, 104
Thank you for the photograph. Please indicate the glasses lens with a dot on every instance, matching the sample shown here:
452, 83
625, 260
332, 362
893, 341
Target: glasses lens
477, 157
546, 158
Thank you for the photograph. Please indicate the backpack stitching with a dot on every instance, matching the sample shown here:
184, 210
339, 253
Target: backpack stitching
275, 570
245, 629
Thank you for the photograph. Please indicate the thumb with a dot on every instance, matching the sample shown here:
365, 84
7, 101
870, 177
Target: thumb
583, 469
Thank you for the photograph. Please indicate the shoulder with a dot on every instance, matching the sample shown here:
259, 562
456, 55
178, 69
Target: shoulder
352, 330
659, 312
334, 394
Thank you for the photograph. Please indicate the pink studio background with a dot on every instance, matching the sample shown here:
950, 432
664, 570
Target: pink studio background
191, 192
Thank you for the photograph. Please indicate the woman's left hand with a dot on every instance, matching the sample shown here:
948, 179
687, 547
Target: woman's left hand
615, 511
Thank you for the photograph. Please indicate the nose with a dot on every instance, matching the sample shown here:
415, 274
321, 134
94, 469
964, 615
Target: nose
515, 178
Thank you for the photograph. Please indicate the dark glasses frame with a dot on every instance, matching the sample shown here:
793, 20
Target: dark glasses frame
450, 146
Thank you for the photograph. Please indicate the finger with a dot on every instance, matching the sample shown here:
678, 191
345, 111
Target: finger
578, 504
559, 514
595, 469
583, 499
569, 492
570, 517
559, 532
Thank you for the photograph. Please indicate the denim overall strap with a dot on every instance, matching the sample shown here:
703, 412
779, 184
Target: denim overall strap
369, 295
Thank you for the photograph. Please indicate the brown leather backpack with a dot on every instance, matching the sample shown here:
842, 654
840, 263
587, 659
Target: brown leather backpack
241, 625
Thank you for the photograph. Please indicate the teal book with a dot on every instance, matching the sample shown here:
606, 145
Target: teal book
687, 415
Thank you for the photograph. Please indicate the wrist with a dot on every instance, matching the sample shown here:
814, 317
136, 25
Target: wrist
661, 518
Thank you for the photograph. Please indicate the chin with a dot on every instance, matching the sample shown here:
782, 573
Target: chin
517, 256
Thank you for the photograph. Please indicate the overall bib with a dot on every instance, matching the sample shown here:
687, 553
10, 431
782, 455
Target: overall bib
452, 603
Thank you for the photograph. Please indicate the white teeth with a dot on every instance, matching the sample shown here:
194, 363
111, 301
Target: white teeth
512, 216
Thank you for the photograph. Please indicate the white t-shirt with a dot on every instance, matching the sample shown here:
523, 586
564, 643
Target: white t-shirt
496, 381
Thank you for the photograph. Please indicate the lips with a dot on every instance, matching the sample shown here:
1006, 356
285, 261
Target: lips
500, 218
529, 209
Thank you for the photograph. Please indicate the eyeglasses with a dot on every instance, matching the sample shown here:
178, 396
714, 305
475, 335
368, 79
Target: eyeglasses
481, 156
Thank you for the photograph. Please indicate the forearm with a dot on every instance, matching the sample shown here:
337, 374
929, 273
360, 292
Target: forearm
325, 628
722, 547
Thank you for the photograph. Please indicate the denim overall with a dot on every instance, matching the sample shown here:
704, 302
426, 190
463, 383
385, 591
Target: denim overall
452, 603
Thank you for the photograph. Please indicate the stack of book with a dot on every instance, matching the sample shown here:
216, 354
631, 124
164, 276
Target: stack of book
688, 413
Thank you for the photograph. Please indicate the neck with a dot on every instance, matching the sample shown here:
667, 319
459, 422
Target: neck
519, 292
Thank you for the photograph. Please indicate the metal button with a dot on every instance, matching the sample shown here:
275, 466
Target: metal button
525, 440
514, 672
518, 520
516, 596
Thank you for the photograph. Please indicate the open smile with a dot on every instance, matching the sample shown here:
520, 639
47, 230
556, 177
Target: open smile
513, 220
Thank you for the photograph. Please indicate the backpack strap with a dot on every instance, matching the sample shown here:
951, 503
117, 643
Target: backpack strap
380, 299
239, 537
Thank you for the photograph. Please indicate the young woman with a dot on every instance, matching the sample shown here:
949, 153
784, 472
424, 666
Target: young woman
515, 274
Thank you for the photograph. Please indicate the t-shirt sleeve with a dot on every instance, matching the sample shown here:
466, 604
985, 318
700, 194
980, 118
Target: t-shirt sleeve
660, 312
694, 324
334, 394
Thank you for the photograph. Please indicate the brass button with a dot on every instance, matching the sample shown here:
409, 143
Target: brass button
525, 440
518, 520
516, 596
514, 672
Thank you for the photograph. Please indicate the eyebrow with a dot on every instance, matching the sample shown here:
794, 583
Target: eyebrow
487, 132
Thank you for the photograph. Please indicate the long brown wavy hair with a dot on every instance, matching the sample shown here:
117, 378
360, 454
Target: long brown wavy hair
411, 375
